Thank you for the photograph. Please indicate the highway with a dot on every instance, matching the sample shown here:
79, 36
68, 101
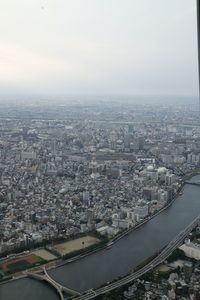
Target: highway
90, 294
193, 183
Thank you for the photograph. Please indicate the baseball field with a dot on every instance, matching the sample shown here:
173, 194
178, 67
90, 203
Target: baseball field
74, 245
21, 263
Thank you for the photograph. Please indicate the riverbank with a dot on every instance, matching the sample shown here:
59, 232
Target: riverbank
82, 253
74, 257
120, 235
116, 238
125, 255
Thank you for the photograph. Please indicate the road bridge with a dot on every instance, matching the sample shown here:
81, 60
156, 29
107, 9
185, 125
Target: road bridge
193, 182
176, 242
59, 288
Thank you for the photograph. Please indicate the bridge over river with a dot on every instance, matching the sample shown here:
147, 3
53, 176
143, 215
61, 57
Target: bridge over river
104, 266
90, 294
59, 288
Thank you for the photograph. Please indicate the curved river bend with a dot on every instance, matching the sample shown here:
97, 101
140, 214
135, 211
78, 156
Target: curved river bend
105, 265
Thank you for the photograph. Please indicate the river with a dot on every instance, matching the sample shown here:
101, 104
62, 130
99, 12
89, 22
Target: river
105, 265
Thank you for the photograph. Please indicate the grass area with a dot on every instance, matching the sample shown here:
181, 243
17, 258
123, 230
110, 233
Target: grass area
18, 265
75, 245
22, 263
64, 249
44, 254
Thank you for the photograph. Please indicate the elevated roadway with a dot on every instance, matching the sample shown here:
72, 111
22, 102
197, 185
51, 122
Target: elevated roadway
177, 241
193, 183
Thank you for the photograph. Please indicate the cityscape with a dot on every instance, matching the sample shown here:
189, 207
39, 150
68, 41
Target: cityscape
100, 150
73, 184
65, 177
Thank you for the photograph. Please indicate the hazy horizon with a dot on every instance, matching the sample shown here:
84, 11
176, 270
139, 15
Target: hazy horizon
97, 99
134, 48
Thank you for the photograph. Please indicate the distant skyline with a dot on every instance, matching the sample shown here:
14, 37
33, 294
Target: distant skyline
130, 47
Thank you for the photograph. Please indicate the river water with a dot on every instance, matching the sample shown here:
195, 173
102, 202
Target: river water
105, 265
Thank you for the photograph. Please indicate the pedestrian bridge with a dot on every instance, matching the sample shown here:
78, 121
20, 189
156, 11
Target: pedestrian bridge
59, 288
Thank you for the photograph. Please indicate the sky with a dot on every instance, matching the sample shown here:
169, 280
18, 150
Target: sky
133, 47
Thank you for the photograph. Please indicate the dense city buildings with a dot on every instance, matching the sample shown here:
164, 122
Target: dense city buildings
100, 150
75, 169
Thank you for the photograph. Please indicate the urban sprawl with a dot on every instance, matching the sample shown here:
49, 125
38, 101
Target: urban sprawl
71, 169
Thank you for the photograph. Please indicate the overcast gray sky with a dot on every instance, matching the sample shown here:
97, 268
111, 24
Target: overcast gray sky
138, 47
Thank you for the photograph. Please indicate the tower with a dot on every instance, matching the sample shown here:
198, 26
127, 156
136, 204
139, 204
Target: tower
94, 165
